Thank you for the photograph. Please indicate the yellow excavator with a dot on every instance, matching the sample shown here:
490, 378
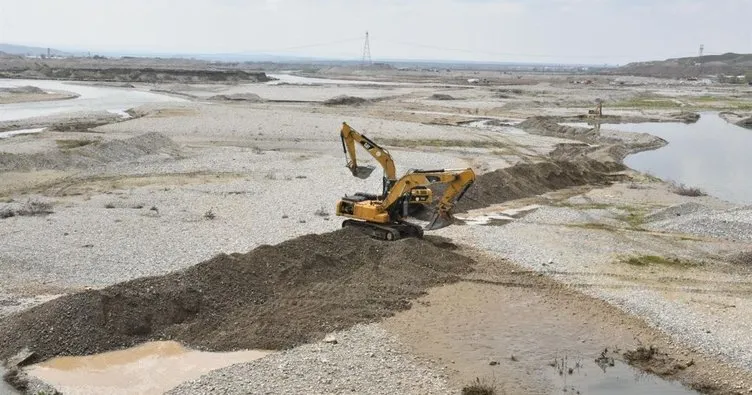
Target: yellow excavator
385, 216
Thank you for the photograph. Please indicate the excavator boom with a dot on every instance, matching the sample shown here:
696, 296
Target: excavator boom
349, 137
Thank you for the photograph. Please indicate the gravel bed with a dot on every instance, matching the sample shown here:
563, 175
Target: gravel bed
734, 224
566, 215
674, 211
364, 360
116, 235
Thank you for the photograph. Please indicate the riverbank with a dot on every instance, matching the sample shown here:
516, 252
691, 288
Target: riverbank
28, 94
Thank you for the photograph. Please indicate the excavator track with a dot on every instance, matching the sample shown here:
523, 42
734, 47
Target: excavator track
391, 232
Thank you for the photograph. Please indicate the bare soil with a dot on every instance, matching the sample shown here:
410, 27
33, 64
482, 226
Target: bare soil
274, 297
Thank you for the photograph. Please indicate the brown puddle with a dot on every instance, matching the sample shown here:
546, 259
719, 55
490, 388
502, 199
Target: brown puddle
151, 368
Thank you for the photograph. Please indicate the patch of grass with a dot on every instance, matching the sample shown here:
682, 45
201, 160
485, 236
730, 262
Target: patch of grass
70, 144
646, 102
271, 175
321, 212
594, 226
741, 105
684, 190
479, 387
584, 206
109, 205
210, 215
635, 219
648, 260
413, 143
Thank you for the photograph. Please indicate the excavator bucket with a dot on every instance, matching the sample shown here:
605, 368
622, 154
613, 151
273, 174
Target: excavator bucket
439, 220
362, 172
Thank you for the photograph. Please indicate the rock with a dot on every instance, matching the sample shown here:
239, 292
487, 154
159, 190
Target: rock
21, 358
493, 363
330, 339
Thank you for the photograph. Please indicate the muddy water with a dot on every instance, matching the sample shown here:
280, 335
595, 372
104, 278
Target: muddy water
711, 154
588, 377
151, 368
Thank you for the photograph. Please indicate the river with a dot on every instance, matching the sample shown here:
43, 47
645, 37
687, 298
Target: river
711, 154
91, 98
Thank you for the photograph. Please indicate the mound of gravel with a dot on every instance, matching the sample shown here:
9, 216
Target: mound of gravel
273, 297
531, 179
246, 97
745, 123
365, 360
91, 154
345, 100
675, 211
442, 96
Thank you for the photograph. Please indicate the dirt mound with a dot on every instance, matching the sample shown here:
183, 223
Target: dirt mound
91, 154
345, 100
532, 179
608, 146
740, 258
247, 97
273, 297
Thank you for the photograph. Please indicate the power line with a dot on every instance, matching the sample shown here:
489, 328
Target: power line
347, 40
509, 54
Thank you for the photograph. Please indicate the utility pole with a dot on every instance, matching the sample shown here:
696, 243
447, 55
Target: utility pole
366, 53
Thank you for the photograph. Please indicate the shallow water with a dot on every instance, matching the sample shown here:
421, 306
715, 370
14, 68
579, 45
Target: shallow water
151, 368
91, 98
711, 154
5, 135
588, 377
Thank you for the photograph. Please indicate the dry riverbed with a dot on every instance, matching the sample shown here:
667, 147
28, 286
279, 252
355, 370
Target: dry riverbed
562, 255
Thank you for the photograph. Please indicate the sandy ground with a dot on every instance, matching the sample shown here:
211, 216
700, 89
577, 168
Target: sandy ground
264, 169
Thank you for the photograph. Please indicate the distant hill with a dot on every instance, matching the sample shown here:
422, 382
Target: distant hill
727, 64
12, 49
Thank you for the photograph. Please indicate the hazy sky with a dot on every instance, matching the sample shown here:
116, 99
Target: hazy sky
567, 31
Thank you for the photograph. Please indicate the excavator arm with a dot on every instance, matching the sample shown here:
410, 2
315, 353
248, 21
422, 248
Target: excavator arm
349, 137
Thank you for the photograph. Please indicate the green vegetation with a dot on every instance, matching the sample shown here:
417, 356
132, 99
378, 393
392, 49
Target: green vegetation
646, 102
479, 387
69, 144
594, 226
634, 217
414, 143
